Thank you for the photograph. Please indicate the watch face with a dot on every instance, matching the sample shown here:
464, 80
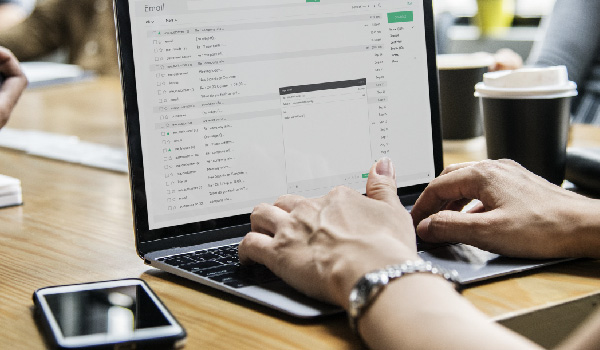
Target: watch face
367, 288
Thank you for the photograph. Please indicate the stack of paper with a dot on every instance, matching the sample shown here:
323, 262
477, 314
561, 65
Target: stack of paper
65, 147
50, 73
10, 191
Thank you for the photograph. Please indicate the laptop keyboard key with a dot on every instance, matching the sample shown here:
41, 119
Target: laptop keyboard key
199, 265
206, 256
229, 261
216, 271
178, 260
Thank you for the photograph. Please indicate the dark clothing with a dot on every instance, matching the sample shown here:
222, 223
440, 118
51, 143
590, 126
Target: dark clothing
573, 39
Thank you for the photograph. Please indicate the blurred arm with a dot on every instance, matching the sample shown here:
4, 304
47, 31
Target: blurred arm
10, 14
40, 34
572, 38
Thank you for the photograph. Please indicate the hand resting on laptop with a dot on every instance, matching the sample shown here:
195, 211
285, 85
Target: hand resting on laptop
520, 214
323, 246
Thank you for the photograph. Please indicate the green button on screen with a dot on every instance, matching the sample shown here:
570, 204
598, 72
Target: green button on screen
402, 16
364, 176
313, 0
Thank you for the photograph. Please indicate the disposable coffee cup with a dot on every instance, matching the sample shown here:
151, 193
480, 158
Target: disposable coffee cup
458, 74
526, 118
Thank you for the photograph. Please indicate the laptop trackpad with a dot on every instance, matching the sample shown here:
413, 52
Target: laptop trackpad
474, 264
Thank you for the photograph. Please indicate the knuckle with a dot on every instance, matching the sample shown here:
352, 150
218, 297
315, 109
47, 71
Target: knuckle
452, 167
306, 204
282, 199
339, 190
258, 209
486, 169
509, 162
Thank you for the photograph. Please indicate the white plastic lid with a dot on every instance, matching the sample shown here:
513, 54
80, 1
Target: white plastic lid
549, 82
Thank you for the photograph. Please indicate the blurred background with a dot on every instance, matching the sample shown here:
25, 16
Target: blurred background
458, 29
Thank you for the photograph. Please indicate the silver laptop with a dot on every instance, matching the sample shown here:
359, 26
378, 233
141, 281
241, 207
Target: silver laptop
230, 103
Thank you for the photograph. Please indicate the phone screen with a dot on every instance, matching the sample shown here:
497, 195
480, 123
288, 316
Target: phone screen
114, 311
105, 313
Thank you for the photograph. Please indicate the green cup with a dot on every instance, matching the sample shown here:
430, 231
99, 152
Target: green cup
494, 16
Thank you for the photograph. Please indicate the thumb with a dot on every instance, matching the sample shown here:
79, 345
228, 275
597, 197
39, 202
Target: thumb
381, 184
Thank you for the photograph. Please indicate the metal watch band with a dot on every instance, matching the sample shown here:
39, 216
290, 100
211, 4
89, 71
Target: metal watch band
371, 284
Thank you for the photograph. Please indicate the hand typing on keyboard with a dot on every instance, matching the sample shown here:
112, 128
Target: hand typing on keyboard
520, 214
322, 246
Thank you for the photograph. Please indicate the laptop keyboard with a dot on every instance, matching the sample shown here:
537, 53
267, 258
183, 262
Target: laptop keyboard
221, 264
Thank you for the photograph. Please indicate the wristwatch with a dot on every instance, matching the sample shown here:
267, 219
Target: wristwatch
370, 285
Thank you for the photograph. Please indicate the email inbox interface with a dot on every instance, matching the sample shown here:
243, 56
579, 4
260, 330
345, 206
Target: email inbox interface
243, 101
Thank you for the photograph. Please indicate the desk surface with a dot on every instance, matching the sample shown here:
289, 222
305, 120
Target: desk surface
75, 226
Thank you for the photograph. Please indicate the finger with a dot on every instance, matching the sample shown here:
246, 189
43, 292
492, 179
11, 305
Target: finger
381, 184
453, 167
456, 185
9, 65
452, 226
288, 202
256, 248
13, 86
267, 218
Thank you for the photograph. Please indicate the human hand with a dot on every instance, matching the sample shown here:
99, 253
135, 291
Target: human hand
520, 213
506, 59
13, 85
323, 246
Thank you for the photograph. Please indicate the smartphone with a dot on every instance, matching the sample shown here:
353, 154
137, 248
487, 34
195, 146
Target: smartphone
1, 79
119, 314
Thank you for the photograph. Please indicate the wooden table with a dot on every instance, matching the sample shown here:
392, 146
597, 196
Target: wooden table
76, 226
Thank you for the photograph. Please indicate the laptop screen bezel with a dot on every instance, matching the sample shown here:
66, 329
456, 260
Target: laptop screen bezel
236, 226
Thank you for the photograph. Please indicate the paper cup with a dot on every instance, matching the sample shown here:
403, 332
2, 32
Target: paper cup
529, 126
461, 115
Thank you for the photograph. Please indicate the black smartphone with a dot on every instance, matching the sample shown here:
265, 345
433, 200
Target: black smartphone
1, 79
119, 314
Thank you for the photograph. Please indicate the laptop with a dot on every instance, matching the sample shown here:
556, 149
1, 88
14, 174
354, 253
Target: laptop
230, 103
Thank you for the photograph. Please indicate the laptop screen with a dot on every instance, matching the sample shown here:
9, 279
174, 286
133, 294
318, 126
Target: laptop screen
239, 102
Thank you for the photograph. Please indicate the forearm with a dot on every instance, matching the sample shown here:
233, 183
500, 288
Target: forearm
570, 19
424, 312
10, 15
39, 34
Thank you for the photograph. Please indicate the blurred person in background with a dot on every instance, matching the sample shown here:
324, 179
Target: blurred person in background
85, 29
13, 12
12, 84
572, 39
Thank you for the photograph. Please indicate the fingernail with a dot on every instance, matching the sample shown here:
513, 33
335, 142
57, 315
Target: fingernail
385, 167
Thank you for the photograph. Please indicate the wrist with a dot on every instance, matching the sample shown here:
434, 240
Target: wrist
586, 229
368, 288
349, 270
